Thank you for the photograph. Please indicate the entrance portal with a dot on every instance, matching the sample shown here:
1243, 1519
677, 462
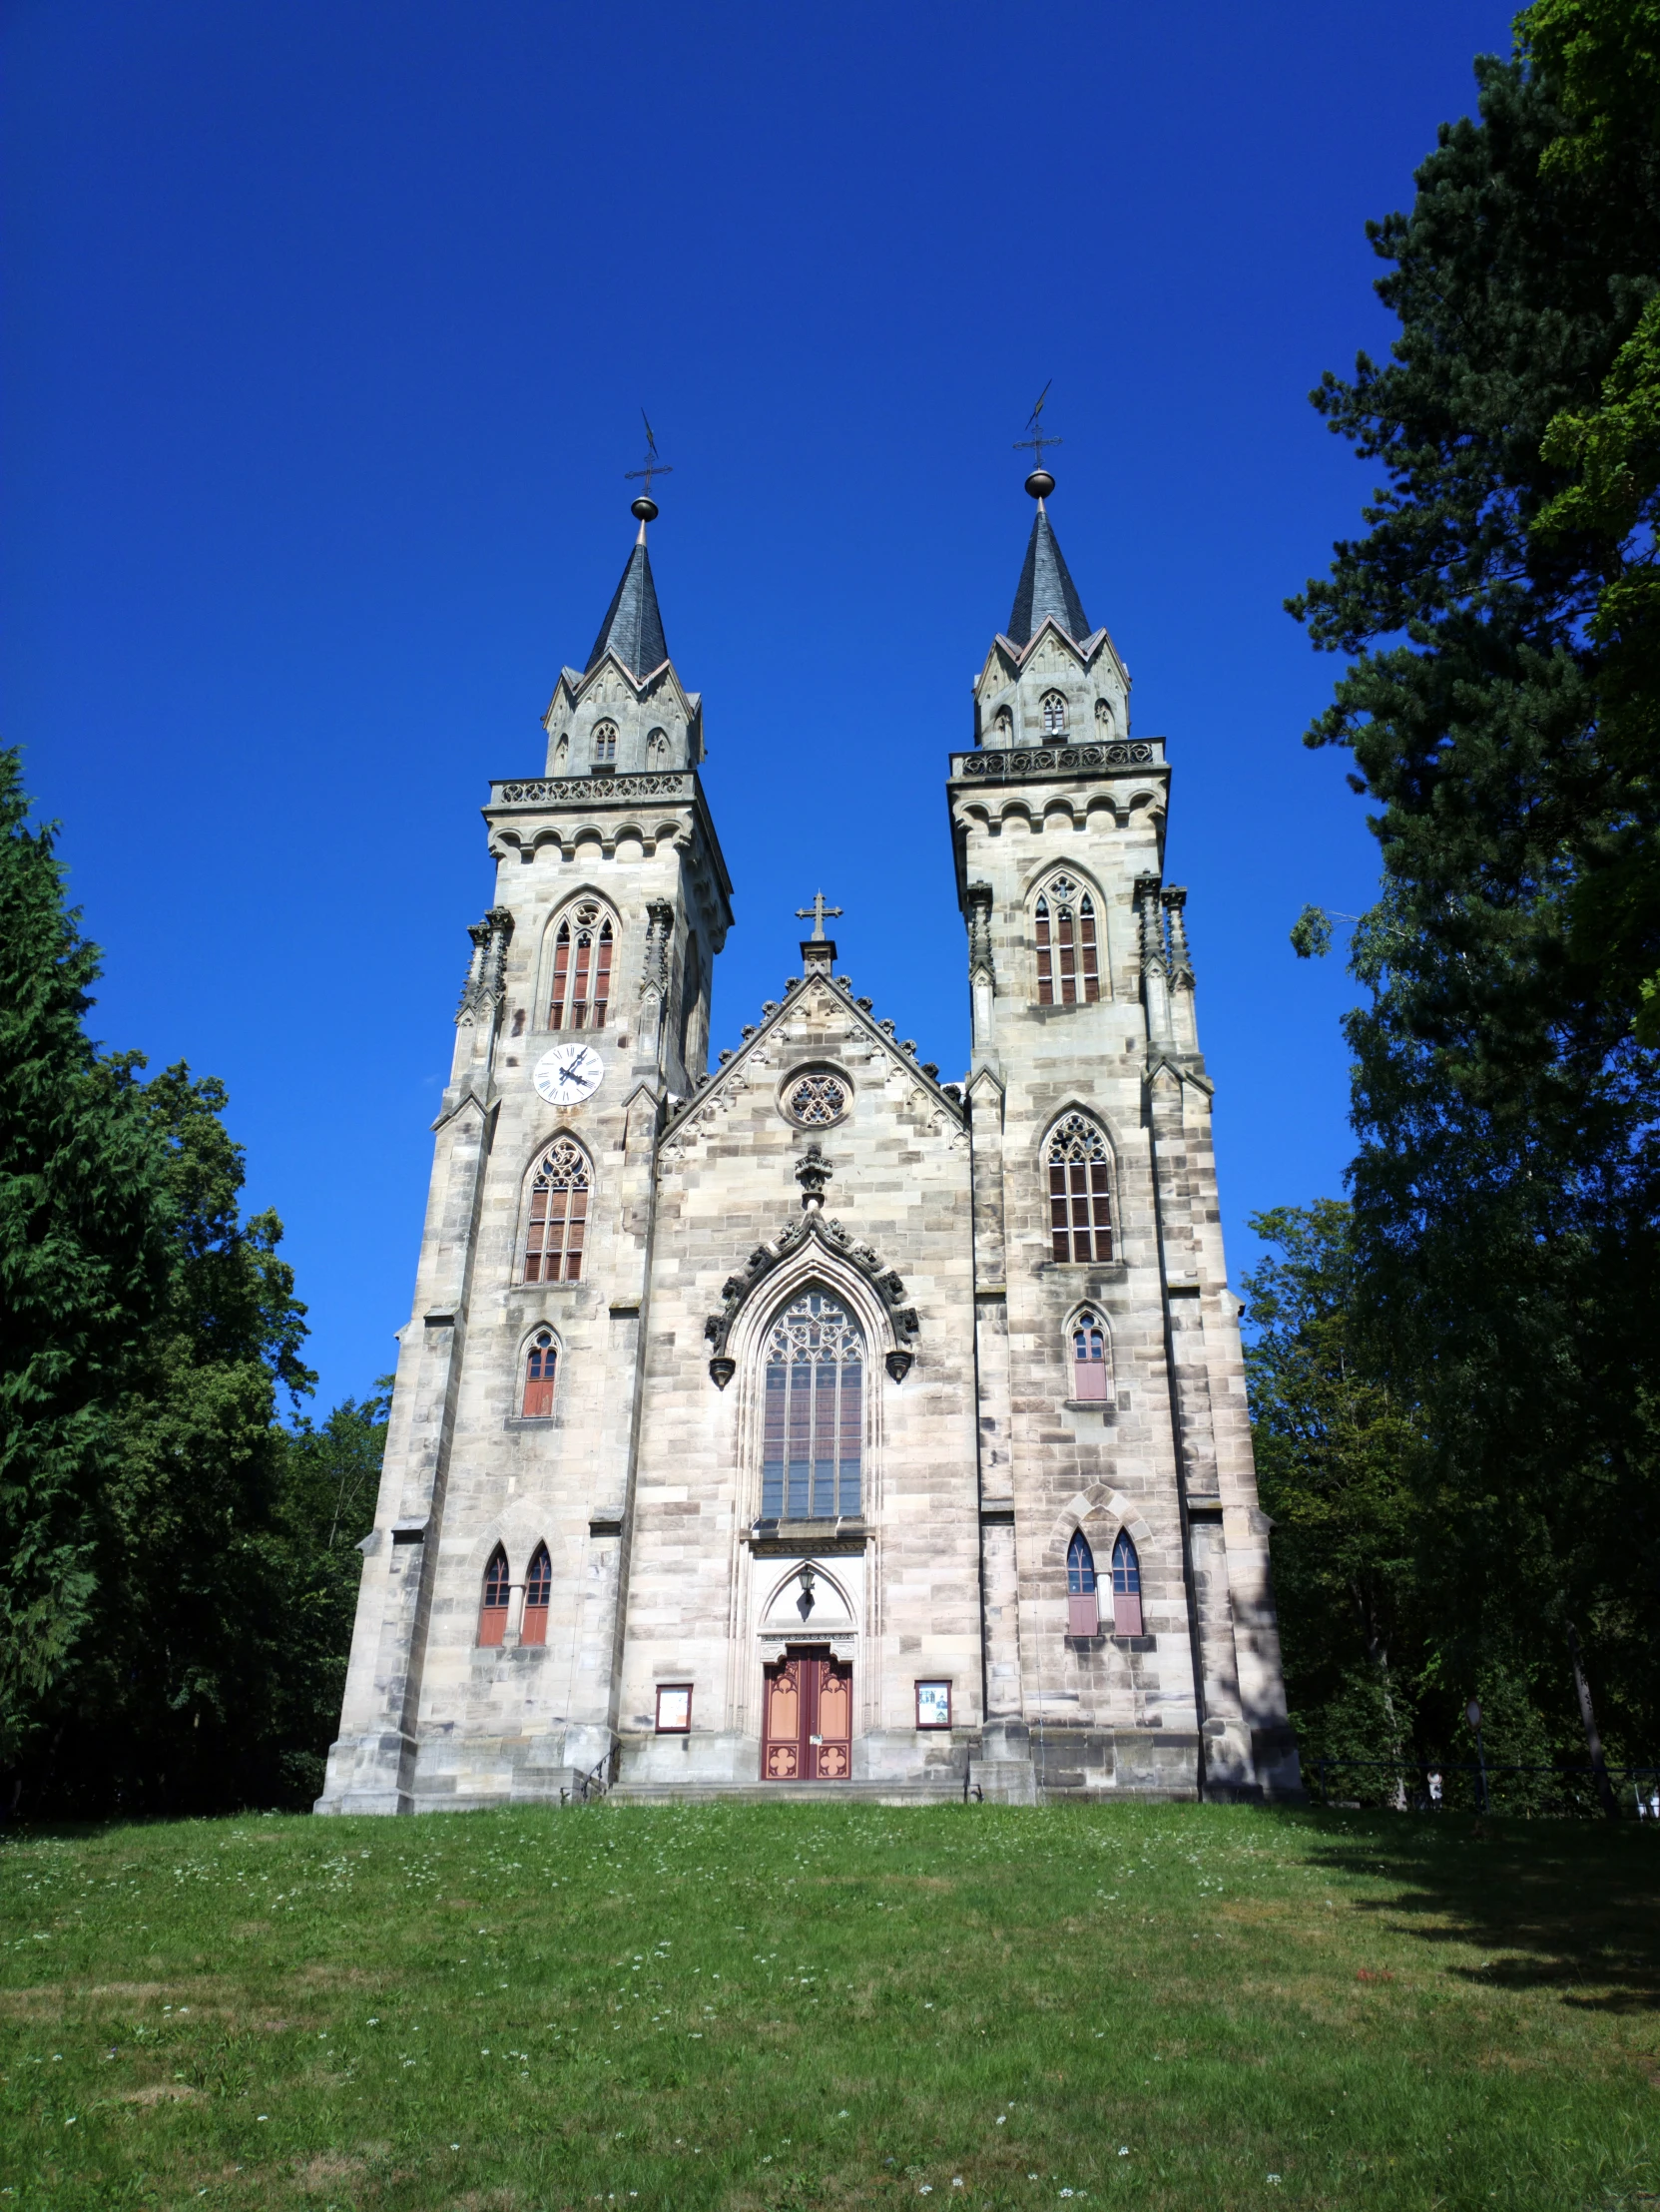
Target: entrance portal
807, 1733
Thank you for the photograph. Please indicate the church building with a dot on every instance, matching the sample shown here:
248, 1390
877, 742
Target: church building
806, 1424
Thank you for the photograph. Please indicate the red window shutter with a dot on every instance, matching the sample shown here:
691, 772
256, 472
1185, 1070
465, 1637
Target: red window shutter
538, 1396
1089, 1379
534, 1628
1083, 1615
1126, 1613
492, 1624
1086, 937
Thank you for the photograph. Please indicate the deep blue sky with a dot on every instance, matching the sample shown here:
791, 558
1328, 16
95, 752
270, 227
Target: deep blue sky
326, 330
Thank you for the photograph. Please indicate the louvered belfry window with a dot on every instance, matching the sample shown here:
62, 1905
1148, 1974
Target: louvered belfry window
1068, 966
492, 1614
1083, 1611
581, 971
813, 1420
1089, 1356
539, 1365
1080, 1191
558, 1216
538, 1589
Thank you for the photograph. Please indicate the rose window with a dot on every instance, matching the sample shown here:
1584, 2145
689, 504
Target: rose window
815, 1101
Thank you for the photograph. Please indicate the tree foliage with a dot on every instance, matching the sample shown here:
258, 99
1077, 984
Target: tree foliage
1506, 1187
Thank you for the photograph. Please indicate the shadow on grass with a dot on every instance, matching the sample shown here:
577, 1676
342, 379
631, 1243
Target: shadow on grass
1557, 1906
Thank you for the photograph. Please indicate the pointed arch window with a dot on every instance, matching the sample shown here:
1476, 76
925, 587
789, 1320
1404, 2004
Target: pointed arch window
558, 1215
1090, 1369
1054, 714
1080, 1191
1083, 1611
540, 1364
657, 748
814, 1414
1126, 1587
605, 745
538, 1590
582, 969
1003, 728
1068, 957
493, 1613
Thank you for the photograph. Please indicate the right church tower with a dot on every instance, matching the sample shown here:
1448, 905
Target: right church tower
1097, 1234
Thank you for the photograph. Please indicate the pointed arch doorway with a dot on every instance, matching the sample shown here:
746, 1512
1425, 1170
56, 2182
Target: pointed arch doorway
807, 1717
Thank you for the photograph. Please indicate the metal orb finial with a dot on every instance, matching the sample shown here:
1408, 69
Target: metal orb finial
645, 507
1040, 483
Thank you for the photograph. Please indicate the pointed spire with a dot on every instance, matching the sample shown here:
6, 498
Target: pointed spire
633, 627
1045, 587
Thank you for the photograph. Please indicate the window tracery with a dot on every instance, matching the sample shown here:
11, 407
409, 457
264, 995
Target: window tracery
657, 748
814, 1418
1090, 1369
540, 1361
582, 953
558, 1215
815, 1101
1054, 714
605, 745
1103, 718
492, 1612
1080, 1191
1068, 957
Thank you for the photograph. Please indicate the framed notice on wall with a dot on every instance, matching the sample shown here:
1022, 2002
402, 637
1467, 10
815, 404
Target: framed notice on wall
674, 1708
933, 1705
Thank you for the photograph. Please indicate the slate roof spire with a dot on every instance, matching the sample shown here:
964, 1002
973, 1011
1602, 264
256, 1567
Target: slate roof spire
1045, 588
632, 626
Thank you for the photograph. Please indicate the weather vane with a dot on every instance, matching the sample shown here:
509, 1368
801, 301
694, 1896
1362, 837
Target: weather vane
816, 915
1040, 480
646, 506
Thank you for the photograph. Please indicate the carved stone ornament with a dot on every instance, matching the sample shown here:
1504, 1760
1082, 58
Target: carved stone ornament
483, 991
610, 789
767, 1257
1134, 754
899, 1364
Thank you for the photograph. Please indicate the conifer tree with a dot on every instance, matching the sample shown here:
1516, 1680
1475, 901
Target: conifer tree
83, 1264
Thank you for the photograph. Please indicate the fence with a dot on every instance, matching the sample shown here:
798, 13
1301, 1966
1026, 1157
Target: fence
1470, 1785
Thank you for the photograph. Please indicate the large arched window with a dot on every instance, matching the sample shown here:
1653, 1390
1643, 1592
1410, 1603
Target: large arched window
1126, 1587
813, 1423
540, 1362
605, 745
558, 1215
1054, 714
493, 1613
538, 1589
581, 969
1090, 1367
1083, 1612
1069, 960
1080, 1191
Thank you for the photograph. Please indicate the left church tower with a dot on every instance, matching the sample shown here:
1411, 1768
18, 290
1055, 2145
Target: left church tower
583, 1022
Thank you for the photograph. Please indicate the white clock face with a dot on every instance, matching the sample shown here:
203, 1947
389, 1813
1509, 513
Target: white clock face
568, 1074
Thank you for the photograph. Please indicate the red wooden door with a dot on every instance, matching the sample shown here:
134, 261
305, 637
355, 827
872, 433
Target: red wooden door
808, 1723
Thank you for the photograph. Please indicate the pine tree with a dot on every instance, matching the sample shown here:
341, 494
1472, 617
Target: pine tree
83, 1264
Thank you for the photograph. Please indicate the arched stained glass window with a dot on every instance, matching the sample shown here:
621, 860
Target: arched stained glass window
581, 971
813, 1423
1126, 1587
1068, 958
1083, 1615
492, 1614
1089, 1356
1080, 1191
558, 1215
539, 1365
538, 1589
1054, 714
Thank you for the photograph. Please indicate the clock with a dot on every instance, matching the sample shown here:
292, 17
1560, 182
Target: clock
568, 1074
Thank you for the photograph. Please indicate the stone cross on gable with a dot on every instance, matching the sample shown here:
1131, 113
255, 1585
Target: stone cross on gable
816, 915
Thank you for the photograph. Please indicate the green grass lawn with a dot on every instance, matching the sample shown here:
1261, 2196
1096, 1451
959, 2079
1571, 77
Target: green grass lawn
782, 2006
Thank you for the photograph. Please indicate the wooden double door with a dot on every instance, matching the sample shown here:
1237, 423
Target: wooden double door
808, 1730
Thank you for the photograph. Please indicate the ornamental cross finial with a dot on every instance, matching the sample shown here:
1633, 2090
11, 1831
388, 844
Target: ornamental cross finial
653, 466
816, 915
1039, 438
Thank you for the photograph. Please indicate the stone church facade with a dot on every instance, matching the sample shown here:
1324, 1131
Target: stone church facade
808, 1425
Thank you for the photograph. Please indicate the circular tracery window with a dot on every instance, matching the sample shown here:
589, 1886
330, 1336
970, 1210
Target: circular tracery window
815, 1101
